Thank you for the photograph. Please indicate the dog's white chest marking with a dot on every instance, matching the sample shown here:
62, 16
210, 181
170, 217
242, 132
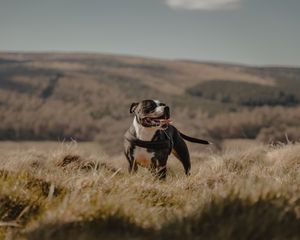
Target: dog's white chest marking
141, 156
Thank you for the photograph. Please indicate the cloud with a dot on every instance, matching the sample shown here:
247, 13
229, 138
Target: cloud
203, 4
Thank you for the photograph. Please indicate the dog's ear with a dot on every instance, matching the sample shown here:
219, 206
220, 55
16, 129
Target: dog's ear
133, 107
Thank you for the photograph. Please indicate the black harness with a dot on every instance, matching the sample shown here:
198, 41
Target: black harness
157, 144
160, 144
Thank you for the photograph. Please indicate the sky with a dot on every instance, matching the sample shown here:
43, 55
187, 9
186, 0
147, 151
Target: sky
255, 32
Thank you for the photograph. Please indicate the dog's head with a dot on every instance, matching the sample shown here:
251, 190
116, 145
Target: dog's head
151, 113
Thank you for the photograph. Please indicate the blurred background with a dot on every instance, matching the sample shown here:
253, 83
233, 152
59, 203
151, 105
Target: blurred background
229, 69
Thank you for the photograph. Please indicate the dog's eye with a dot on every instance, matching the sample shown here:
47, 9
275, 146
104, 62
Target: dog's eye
162, 104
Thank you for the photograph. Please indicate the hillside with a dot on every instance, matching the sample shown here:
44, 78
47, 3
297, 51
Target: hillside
57, 96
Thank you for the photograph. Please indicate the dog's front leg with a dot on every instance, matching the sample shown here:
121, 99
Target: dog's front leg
132, 168
161, 172
153, 166
161, 168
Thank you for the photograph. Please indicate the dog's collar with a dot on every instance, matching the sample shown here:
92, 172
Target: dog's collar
161, 144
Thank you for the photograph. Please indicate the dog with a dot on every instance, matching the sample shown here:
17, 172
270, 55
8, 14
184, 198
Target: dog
152, 138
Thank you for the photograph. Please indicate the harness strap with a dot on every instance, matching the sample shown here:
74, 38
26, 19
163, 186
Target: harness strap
162, 144
170, 141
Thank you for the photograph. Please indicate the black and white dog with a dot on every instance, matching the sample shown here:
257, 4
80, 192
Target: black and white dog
151, 139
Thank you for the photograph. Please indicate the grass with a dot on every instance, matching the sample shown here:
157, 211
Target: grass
67, 193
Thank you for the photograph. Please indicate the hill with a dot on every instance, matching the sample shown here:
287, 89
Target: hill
57, 96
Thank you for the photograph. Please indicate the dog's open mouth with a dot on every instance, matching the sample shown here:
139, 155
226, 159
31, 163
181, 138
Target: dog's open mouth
156, 122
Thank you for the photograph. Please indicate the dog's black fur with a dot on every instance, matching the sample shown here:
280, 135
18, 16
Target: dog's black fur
151, 139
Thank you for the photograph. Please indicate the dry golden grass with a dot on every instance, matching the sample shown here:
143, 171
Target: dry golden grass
69, 193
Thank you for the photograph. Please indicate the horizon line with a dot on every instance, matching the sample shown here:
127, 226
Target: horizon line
192, 60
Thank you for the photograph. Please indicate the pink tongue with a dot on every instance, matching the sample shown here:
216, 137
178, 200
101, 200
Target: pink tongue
165, 121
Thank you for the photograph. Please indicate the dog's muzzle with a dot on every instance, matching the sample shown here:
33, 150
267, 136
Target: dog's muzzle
155, 122
161, 121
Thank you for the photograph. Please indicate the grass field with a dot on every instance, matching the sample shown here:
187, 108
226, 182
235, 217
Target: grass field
240, 188
76, 191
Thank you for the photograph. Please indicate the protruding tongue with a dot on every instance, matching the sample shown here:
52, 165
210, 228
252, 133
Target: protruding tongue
165, 121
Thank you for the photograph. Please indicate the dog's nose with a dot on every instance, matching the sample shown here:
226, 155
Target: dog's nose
167, 111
